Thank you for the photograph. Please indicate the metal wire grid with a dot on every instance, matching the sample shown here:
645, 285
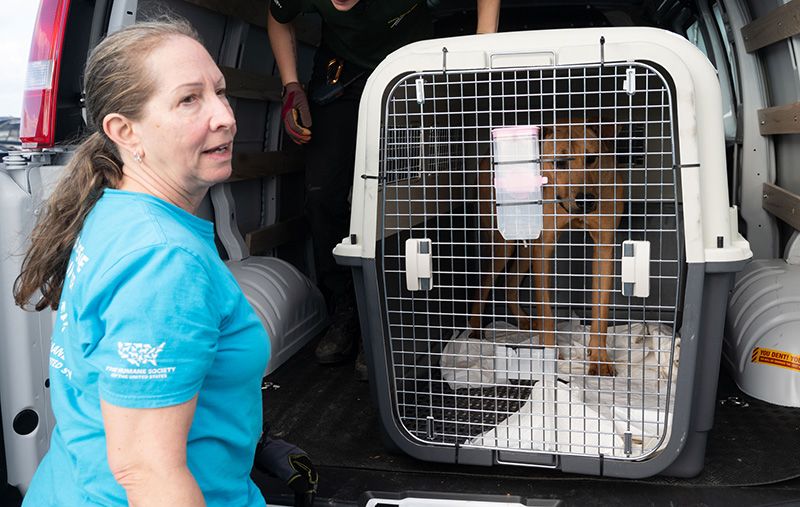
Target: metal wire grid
422, 150
432, 191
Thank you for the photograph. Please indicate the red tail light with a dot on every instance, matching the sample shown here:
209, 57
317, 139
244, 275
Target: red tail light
38, 121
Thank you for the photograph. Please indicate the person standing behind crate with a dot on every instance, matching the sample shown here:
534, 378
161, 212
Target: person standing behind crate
156, 356
356, 36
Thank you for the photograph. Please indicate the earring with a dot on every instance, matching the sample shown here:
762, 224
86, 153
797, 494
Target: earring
137, 157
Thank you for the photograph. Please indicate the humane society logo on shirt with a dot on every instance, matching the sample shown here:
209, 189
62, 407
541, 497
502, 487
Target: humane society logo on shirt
140, 355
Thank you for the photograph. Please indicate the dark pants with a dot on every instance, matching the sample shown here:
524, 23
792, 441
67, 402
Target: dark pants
329, 177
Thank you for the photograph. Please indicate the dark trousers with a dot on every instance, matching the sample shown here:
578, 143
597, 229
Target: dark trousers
329, 176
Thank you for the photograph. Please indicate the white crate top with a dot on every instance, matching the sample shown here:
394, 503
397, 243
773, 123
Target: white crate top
697, 99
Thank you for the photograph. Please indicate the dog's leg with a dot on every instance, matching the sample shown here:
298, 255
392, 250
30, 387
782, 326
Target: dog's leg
517, 271
501, 252
500, 248
542, 272
603, 270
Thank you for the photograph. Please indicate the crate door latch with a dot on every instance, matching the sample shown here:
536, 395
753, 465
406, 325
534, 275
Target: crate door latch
636, 268
419, 263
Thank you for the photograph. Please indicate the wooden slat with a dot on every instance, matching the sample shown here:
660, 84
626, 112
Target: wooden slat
779, 120
783, 204
246, 85
779, 24
255, 12
267, 238
248, 166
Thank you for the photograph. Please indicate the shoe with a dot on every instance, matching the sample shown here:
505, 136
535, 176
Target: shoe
339, 341
362, 372
336, 346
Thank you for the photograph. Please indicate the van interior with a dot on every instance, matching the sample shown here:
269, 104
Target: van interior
751, 455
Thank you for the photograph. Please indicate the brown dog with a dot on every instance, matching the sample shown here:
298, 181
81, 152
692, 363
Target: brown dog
584, 192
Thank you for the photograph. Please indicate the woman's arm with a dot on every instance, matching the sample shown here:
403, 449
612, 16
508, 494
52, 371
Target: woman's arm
284, 47
488, 16
146, 450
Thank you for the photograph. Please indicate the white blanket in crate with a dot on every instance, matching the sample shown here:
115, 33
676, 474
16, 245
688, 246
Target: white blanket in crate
567, 410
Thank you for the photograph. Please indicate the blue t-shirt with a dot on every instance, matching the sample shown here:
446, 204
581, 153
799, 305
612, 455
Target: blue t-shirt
150, 317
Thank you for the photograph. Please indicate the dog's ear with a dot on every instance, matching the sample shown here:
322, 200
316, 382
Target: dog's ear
606, 130
603, 128
557, 131
609, 130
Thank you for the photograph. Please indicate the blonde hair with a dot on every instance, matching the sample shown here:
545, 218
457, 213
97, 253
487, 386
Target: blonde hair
116, 81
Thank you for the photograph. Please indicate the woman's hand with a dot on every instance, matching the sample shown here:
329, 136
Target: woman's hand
295, 113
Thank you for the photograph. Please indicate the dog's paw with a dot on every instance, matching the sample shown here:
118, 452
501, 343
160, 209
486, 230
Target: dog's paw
527, 323
603, 369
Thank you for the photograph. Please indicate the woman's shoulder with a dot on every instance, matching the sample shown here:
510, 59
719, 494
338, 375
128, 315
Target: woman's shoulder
126, 224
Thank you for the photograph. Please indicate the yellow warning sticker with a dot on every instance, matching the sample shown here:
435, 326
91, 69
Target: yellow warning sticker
776, 358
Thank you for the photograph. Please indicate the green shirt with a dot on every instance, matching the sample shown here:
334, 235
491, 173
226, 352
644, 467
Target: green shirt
369, 31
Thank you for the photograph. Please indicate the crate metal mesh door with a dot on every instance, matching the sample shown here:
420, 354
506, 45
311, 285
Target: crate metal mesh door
469, 341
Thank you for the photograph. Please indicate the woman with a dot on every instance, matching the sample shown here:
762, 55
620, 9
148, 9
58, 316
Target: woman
156, 356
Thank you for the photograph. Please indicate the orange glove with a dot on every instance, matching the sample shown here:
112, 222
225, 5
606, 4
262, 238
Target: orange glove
295, 114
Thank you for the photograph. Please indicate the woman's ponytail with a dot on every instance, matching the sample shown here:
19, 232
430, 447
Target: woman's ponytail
93, 167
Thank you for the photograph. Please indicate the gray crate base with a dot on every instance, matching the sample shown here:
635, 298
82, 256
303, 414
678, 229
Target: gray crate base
703, 312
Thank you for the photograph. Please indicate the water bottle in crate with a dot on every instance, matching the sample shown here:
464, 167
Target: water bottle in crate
518, 182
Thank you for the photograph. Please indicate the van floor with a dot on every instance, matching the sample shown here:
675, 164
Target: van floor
751, 457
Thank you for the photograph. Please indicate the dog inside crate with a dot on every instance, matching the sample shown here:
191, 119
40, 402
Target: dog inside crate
495, 351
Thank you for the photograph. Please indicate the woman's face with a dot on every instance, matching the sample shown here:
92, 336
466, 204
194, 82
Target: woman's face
187, 126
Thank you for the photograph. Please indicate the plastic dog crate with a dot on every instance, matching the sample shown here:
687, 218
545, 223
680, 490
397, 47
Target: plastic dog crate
479, 339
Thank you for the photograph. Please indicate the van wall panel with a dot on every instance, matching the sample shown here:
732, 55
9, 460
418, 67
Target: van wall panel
783, 83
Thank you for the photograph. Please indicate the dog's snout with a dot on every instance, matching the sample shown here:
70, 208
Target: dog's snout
586, 202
